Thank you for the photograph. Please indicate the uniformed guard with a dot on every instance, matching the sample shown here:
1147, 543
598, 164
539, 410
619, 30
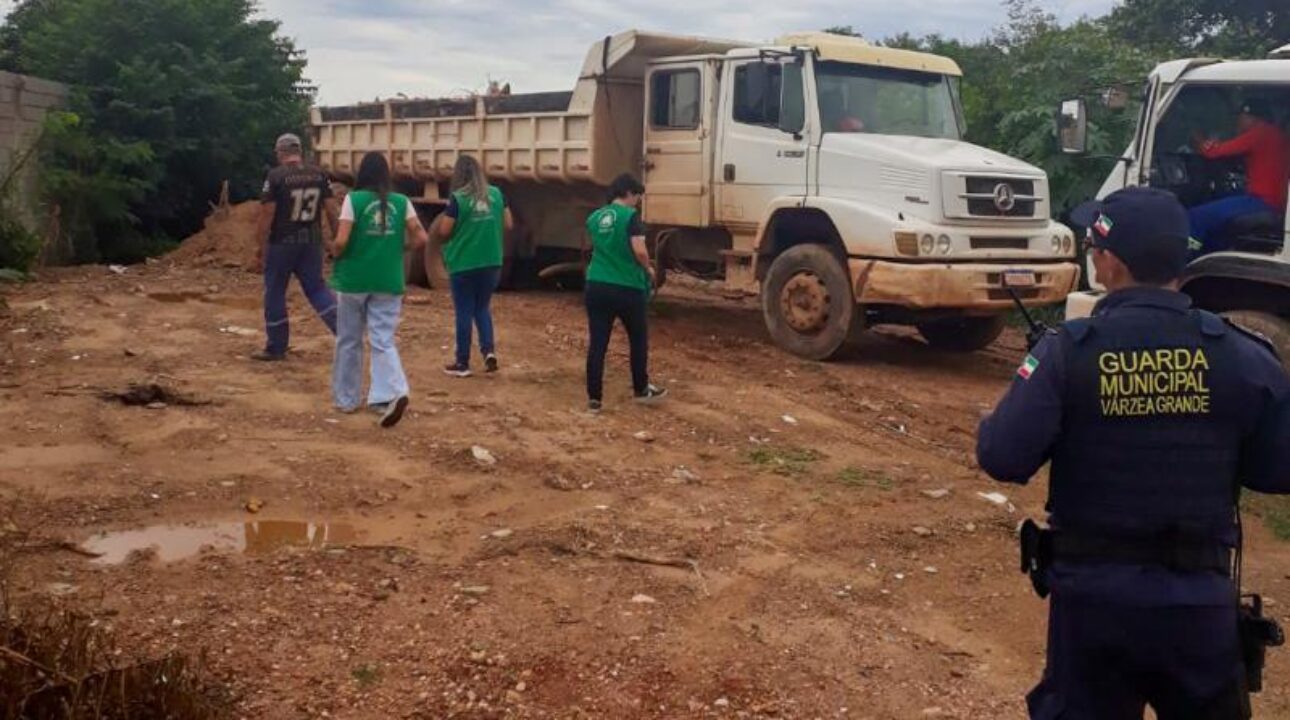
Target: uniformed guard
1153, 415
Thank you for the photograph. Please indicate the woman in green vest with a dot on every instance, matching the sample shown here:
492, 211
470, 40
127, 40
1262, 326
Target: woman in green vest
472, 225
619, 280
376, 226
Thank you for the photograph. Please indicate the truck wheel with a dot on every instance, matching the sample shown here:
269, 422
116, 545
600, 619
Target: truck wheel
1275, 329
807, 303
962, 334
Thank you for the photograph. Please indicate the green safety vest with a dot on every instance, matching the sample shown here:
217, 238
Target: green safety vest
373, 260
612, 259
476, 240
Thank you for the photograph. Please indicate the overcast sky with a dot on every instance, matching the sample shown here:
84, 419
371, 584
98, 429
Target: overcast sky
362, 49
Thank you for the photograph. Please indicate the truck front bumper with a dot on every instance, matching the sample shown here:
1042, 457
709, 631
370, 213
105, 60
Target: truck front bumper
965, 286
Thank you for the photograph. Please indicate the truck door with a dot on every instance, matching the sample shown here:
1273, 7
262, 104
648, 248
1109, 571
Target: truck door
762, 151
678, 154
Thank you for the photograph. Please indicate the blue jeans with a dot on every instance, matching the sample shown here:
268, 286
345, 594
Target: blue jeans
1208, 219
305, 261
472, 291
377, 314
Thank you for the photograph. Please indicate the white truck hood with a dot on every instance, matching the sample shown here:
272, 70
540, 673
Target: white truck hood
912, 175
926, 153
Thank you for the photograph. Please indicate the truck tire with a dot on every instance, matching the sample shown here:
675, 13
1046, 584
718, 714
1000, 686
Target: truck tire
1275, 329
807, 302
962, 334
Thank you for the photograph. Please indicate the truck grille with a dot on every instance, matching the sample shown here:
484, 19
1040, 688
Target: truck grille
987, 197
1000, 243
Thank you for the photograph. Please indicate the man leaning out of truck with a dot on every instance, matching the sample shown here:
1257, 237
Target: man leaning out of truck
1266, 151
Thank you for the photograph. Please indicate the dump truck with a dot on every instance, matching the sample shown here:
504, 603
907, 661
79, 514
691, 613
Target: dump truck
1249, 282
825, 174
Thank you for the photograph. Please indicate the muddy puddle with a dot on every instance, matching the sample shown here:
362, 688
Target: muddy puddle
241, 303
179, 542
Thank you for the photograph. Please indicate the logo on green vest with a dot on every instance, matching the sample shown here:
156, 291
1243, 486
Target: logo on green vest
606, 221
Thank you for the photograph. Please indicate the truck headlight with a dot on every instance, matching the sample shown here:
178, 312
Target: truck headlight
1068, 245
943, 244
926, 245
1057, 245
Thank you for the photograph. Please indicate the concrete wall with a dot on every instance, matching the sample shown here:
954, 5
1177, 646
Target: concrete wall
24, 101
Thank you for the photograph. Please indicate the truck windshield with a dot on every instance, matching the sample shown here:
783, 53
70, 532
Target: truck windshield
887, 101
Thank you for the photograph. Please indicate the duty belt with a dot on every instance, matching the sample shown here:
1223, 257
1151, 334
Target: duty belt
1177, 551
1170, 550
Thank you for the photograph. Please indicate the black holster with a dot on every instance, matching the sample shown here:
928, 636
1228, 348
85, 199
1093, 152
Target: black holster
1036, 555
1258, 633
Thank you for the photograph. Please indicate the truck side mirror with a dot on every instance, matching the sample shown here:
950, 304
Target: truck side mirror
792, 102
1072, 127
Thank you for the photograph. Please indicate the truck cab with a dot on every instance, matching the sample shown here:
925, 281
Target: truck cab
841, 190
1248, 280
824, 174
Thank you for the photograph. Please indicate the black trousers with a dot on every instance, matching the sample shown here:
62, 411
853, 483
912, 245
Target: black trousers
606, 303
1108, 662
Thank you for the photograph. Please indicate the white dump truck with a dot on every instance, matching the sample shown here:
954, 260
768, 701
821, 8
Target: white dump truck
1250, 282
824, 173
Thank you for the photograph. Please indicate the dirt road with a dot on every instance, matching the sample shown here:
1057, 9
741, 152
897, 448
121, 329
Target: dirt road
780, 539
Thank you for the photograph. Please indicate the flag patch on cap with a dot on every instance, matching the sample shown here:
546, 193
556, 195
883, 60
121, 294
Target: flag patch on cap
1028, 367
1103, 225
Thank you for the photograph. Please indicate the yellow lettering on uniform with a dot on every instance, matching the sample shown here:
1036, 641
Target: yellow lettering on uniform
1141, 384
1165, 359
1199, 361
1106, 362
1108, 385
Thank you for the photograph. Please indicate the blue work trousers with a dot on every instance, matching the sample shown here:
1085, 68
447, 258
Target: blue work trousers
305, 262
375, 315
1209, 219
472, 293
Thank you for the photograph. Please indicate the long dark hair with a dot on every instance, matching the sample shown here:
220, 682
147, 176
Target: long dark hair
374, 176
468, 177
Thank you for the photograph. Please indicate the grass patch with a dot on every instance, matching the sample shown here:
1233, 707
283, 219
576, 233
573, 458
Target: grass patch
858, 477
789, 462
366, 675
1273, 510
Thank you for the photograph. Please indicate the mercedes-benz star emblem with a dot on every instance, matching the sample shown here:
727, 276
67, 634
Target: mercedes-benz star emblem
1004, 199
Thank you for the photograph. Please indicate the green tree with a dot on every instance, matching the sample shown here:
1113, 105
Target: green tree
1219, 28
170, 98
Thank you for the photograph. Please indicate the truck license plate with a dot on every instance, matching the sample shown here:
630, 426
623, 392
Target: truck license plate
1018, 278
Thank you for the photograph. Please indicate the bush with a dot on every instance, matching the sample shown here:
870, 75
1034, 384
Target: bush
19, 247
170, 98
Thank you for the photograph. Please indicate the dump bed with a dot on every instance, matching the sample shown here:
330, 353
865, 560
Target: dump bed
588, 135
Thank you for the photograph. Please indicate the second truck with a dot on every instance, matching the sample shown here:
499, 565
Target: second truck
823, 173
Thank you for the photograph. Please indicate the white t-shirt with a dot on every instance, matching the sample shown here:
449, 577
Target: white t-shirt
347, 210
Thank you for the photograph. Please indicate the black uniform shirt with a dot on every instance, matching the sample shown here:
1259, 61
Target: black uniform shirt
298, 193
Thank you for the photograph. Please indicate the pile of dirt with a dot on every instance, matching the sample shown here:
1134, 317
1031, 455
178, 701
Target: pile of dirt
227, 240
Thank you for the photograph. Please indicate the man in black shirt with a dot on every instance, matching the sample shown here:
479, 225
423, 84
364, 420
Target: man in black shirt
295, 198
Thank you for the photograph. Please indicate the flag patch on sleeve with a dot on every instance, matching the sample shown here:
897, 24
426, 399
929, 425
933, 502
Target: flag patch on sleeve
1028, 367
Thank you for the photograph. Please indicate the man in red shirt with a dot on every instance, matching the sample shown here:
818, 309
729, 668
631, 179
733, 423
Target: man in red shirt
1266, 151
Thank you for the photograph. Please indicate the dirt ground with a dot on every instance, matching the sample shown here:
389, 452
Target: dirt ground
780, 539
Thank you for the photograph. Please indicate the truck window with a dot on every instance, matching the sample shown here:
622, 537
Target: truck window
887, 101
761, 101
675, 99
757, 103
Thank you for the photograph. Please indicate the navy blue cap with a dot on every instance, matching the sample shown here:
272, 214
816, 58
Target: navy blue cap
1147, 228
